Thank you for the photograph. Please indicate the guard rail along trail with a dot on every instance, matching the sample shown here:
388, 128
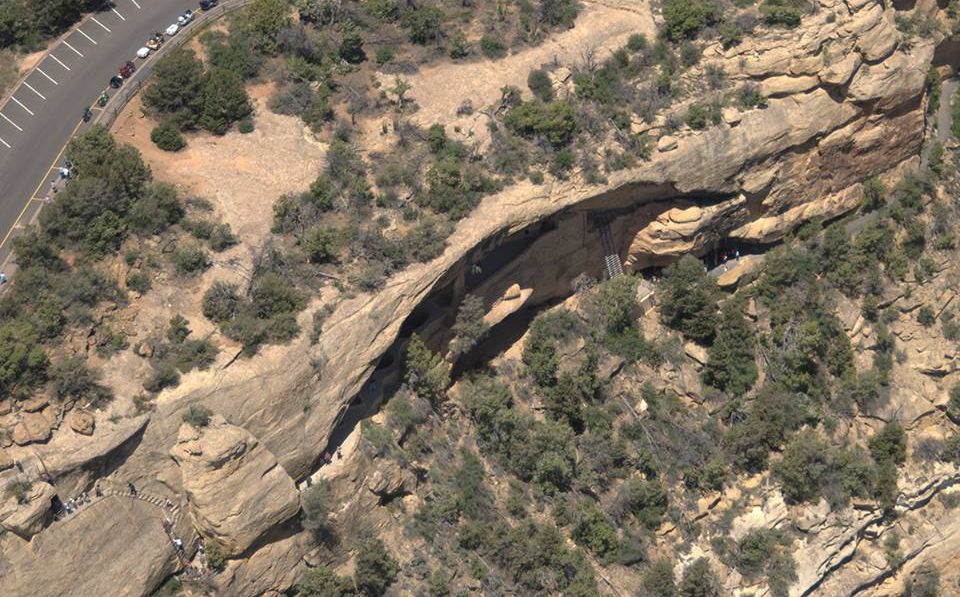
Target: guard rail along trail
133, 86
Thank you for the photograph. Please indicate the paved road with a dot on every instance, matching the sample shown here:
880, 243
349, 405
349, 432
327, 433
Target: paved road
44, 110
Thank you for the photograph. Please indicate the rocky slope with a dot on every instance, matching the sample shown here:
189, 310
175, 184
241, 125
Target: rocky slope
846, 101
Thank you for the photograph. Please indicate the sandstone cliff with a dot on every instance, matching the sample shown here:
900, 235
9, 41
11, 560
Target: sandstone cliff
846, 101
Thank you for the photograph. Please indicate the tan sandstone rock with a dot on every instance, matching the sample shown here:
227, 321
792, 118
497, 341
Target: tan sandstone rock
27, 519
666, 143
32, 427
115, 546
81, 421
236, 489
787, 85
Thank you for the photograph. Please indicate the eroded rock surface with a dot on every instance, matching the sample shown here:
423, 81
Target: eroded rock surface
235, 488
115, 546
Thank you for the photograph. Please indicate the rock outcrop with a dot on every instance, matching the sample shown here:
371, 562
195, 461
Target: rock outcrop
115, 546
234, 486
26, 516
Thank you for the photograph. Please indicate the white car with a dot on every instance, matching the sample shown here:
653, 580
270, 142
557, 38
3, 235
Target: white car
185, 18
143, 52
172, 30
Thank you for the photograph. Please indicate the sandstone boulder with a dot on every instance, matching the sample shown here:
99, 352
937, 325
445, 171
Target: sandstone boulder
6, 461
236, 489
666, 143
81, 421
35, 404
787, 85
388, 480
840, 72
28, 518
32, 427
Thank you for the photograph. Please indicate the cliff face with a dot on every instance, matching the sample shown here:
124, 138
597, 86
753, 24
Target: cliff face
845, 102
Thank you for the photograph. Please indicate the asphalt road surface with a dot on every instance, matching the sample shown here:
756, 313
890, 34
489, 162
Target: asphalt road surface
46, 108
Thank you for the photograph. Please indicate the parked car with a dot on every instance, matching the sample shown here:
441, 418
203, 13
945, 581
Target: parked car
185, 18
127, 69
143, 52
207, 4
116, 81
156, 41
172, 30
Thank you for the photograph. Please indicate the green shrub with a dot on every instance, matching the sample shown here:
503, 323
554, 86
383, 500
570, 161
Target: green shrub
225, 101
138, 281
376, 568
731, 33
658, 579
426, 372
492, 47
889, 444
469, 327
540, 85
592, 530
783, 13
197, 416
215, 554
318, 504
765, 552
177, 87
699, 580
637, 42
351, 43
555, 121
234, 52
696, 117
559, 12
732, 366
321, 245
221, 302
72, 379
167, 137
685, 18
245, 126
424, 24
645, 500
222, 238
687, 299
925, 316
384, 55
166, 376
189, 259
320, 581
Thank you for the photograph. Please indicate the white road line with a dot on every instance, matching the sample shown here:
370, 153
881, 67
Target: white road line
19, 103
11, 122
40, 70
136, 4
30, 87
80, 31
122, 18
5, 143
94, 19
57, 60
66, 43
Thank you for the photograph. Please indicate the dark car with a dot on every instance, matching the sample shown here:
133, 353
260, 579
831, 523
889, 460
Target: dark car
127, 70
116, 82
207, 4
